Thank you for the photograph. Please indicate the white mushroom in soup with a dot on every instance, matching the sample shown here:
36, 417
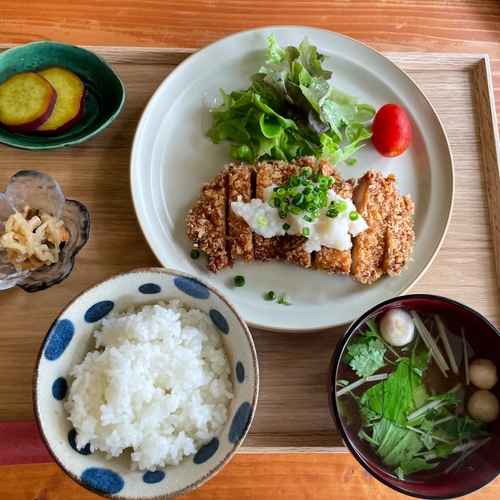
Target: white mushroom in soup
483, 373
483, 406
397, 327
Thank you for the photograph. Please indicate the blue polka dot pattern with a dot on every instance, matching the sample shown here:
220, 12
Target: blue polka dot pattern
240, 422
240, 372
98, 311
59, 388
219, 321
72, 442
206, 452
192, 287
103, 480
59, 338
150, 288
154, 477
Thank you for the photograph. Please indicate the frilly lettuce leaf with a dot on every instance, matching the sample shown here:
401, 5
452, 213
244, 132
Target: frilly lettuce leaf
291, 110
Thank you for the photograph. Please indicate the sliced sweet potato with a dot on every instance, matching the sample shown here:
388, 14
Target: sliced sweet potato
71, 95
26, 102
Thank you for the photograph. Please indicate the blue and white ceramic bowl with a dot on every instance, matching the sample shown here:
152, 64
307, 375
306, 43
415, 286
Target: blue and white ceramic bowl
70, 338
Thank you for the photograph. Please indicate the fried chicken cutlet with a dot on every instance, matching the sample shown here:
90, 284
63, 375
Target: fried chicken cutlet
383, 248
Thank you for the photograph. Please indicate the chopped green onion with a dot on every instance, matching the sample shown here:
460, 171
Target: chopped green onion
262, 221
290, 198
271, 295
239, 280
195, 254
285, 300
323, 182
306, 231
286, 226
307, 218
282, 214
341, 205
353, 215
352, 161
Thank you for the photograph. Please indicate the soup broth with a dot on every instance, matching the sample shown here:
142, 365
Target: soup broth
402, 409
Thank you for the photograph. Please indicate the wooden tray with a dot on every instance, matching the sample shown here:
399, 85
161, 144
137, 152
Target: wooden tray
293, 413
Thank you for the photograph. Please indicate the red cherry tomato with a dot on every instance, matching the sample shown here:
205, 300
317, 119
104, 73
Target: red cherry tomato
391, 131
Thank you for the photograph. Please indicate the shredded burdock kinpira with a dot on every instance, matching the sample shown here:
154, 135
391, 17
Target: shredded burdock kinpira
32, 239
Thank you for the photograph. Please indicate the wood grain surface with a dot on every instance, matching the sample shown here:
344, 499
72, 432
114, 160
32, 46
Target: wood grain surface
464, 268
293, 412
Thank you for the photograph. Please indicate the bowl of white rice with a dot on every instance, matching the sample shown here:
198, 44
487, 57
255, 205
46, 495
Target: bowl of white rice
145, 385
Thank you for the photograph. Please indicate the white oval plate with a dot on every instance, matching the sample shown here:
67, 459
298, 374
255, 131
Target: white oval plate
171, 160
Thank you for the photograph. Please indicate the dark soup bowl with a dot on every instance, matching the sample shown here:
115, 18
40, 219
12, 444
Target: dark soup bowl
415, 395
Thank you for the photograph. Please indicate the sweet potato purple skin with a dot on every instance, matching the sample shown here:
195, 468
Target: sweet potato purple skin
69, 124
65, 82
46, 108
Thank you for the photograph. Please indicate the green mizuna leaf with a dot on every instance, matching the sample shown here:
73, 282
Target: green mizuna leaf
392, 398
459, 427
443, 450
414, 465
396, 444
449, 397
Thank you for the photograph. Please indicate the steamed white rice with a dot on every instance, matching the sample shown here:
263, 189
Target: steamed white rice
158, 382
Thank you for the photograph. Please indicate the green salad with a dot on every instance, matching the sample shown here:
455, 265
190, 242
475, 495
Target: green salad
291, 110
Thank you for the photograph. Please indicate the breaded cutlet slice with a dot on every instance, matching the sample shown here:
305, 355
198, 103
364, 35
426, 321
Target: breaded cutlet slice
206, 223
239, 189
342, 187
269, 173
293, 251
327, 259
400, 237
292, 246
371, 200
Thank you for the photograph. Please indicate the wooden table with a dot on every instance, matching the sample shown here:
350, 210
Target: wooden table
447, 26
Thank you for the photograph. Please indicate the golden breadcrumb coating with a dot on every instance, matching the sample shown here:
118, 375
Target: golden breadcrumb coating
206, 223
400, 237
387, 243
240, 234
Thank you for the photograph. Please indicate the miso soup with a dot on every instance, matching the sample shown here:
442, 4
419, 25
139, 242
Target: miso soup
408, 404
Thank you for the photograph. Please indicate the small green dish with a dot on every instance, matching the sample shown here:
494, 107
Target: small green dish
105, 91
